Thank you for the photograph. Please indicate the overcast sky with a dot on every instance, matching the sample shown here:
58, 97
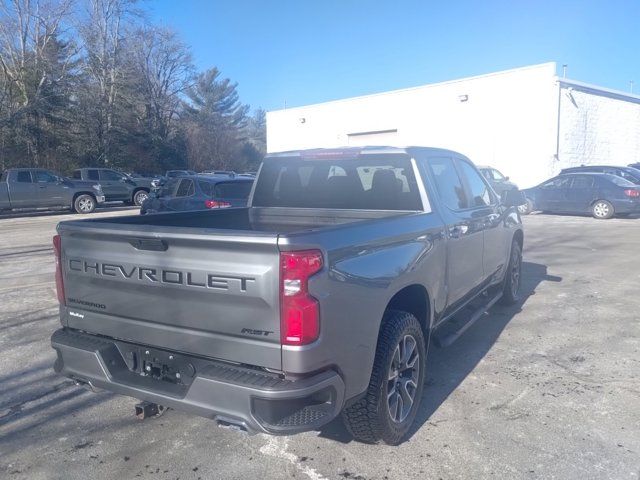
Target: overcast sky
305, 51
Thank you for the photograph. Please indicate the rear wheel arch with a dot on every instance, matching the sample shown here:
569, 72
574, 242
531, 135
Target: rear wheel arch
413, 299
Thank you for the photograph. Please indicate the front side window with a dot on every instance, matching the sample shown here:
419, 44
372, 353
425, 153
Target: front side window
497, 176
77, 174
186, 188
558, 182
448, 182
46, 177
480, 196
24, 177
93, 175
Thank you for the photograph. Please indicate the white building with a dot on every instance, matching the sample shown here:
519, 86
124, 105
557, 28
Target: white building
526, 122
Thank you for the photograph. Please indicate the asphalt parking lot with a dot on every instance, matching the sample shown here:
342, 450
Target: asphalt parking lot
546, 389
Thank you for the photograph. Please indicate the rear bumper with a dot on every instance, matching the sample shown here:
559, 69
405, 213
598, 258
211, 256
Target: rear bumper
626, 206
254, 400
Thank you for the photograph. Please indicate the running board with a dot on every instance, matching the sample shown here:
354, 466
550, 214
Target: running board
446, 338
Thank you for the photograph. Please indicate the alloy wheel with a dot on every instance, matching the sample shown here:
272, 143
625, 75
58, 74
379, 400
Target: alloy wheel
402, 381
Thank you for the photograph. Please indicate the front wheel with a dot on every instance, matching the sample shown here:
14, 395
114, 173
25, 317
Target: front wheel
602, 210
511, 287
84, 204
139, 197
389, 407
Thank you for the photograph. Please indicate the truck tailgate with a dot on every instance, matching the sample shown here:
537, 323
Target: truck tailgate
187, 290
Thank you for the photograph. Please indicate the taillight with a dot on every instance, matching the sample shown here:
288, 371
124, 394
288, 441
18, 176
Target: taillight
632, 193
57, 248
299, 311
216, 204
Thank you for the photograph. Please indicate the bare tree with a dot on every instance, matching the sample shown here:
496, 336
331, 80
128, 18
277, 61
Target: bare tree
35, 61
163, 70
103, 34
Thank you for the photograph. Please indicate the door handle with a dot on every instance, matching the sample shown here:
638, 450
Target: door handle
458, 231
42, 186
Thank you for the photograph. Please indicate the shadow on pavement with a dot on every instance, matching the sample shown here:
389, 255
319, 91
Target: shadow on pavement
448, 367
48, 213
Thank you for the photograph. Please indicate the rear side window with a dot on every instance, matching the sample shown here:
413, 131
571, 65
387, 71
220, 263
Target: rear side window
480, 194
368, 182
238, 190
93, 175
186, 188
621, 182
448, 182
24, 177
582, 181
206, 187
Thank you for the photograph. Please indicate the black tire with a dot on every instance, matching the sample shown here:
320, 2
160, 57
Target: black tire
84, 204
527, 208
370, 419
139, 197
602, 210
513, 275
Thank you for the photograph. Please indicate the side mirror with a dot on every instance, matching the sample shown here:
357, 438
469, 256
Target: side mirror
513, 198
506, 179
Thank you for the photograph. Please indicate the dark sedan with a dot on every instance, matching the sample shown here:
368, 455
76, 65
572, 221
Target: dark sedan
198, 192
600, 194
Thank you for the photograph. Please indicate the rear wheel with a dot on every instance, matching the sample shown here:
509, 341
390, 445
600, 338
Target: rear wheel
392, 400
84, 204
602, 210
511, 288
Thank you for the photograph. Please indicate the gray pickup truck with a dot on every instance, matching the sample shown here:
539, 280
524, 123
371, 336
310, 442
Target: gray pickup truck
320, 297
32, 188
117, 186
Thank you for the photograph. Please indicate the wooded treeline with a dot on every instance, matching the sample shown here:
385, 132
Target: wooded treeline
93, 83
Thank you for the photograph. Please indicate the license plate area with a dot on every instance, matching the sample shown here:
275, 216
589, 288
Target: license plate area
159, 365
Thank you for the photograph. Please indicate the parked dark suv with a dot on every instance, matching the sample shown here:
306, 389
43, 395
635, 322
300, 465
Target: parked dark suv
117, 186
198, 192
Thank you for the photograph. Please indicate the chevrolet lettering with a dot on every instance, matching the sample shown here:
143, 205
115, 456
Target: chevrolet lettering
161, 275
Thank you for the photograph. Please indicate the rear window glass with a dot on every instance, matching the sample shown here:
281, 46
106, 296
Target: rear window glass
373, 182
233, 189
206, 187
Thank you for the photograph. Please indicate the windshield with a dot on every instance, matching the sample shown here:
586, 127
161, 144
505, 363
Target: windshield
376, 182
